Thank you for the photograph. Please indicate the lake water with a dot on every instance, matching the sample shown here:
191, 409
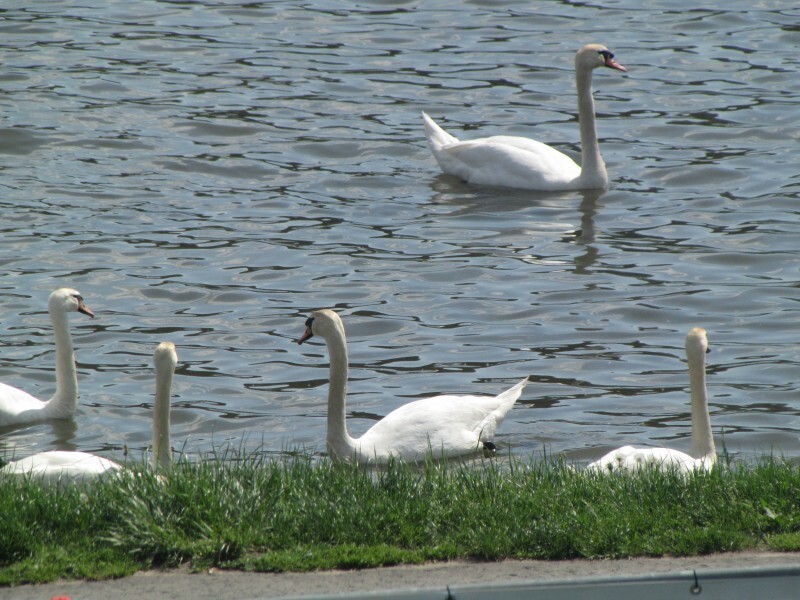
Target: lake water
210, 172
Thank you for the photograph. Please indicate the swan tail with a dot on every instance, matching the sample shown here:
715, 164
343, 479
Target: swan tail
437, 137
512, 394
505, 402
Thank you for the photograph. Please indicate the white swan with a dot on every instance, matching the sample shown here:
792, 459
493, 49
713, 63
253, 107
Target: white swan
64, 467
703, 453
518, 162
61, 467
18, 407
445, 426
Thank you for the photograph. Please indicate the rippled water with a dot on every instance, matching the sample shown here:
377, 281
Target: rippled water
208, 173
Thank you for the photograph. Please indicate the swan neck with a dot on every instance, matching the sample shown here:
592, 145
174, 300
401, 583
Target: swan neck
162, 453
64, 401
340, 444
593, 169
702, 438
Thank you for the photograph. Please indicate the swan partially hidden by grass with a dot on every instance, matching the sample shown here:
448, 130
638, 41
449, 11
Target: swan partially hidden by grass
517, 162
64, 467
703, 453
444, 426
20, 408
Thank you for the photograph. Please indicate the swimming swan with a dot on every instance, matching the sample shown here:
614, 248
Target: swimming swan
703, 454
518, 162
63, 467
18, 407
445, 426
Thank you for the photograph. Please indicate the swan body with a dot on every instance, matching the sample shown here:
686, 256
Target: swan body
444, 426
18, 407
517, 162
62, 467
703, 453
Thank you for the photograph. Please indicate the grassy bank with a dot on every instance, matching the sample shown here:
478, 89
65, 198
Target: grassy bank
300, 514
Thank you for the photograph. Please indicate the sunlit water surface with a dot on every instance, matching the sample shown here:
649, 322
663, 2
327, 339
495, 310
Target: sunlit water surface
210, 172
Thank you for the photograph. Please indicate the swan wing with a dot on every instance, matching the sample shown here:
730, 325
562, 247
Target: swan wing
447, 426
509, 161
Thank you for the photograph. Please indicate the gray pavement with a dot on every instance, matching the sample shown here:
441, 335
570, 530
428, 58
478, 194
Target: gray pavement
417, 581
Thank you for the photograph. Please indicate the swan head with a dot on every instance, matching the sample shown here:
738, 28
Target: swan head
697, 343
593, 56
323, 323
66, 300
165, 356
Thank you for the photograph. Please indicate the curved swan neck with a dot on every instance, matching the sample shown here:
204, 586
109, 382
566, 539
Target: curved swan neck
162, 456
593, 169
64, 401
702, 438
340, 444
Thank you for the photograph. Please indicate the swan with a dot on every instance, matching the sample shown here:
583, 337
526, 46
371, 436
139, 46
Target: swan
20, 408
62, 466
518, 162
450, 425
703, 454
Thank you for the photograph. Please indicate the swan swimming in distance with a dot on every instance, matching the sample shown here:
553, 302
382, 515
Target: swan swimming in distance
518, 162
444, 426
703, 454
20, 408
64, 467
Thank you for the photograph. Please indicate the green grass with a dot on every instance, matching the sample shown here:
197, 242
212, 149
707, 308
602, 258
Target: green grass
299, 513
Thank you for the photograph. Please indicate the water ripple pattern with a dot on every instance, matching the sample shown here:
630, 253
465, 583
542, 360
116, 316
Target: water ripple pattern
210, 172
